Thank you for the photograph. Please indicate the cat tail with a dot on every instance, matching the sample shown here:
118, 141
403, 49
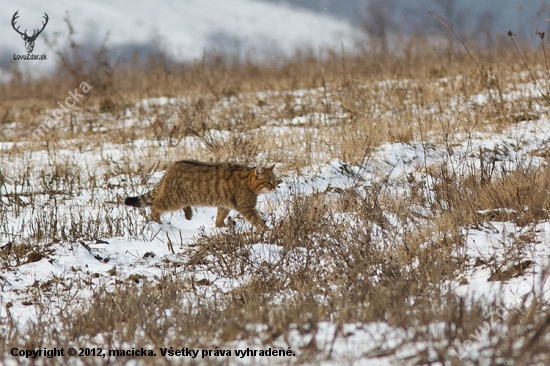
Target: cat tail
141, 201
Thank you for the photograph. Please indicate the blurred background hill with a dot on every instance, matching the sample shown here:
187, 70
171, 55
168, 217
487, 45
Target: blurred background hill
253, 29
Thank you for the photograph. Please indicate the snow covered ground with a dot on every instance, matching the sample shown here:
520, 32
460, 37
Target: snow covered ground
108, 259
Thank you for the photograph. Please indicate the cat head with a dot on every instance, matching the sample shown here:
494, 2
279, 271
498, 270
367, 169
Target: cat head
263, 180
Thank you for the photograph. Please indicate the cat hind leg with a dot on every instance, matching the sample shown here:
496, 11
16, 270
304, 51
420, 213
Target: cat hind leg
188, 212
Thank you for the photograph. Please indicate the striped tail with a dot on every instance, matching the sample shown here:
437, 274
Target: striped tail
141, 201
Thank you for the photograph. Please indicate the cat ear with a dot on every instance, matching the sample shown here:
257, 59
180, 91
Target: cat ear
259, 170
271, 167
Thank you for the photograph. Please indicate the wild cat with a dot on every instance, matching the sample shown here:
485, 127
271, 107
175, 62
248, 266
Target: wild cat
225, 185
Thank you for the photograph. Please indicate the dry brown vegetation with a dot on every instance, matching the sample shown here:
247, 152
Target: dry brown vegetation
382, 251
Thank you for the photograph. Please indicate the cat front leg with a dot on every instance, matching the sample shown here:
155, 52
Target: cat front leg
252, 216
220, 217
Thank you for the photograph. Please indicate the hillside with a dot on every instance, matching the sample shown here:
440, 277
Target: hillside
185, 30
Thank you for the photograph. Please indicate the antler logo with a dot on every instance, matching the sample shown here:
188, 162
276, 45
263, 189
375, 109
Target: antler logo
29, 40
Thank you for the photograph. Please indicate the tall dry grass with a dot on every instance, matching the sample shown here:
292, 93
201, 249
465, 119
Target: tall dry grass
342, 258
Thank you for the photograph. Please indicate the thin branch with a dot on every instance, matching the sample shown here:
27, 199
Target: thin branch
442, 19
528, 68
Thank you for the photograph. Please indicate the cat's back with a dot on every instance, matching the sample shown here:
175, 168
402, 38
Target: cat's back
206, 183
192, 167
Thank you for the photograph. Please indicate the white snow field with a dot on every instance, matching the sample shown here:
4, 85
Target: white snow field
57, 191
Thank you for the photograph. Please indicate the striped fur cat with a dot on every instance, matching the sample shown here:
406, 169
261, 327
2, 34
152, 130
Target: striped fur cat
224, 185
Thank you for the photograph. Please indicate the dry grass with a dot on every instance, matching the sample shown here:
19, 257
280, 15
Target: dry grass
382, 251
